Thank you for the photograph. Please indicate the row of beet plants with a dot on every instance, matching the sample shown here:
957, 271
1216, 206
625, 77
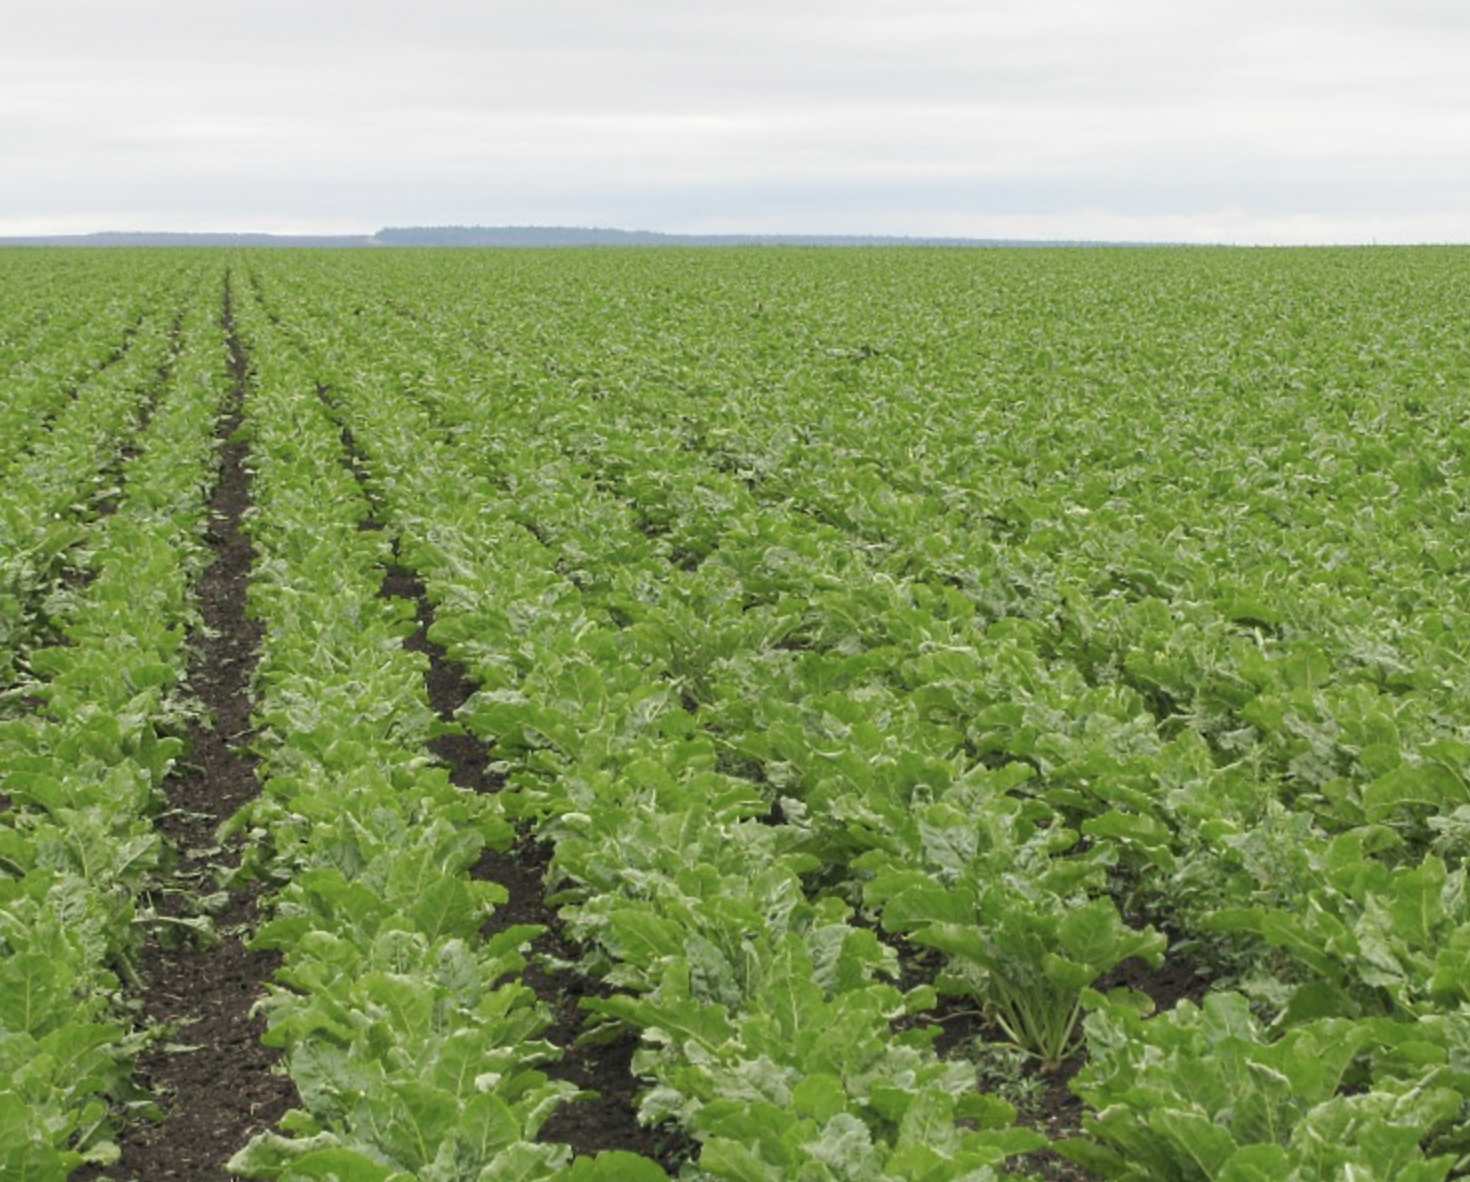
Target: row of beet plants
416, 1050
81, 766
64, 320
1244, 547
772, 1031
51, 492
864, 656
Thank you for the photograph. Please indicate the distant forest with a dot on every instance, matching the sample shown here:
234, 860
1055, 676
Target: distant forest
589, 236
508, 236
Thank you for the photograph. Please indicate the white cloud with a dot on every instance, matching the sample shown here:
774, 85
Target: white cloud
1299, 120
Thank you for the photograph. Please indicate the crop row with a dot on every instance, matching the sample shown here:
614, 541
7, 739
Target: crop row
81, 767
569, 716
53, 489
693, 900
64, 323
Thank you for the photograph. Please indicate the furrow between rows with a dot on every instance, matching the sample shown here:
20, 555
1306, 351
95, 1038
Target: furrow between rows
215, 1080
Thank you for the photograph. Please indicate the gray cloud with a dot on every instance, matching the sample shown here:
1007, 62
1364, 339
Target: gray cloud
1301, 120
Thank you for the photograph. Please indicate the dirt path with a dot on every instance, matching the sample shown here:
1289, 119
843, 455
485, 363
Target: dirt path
219, 1094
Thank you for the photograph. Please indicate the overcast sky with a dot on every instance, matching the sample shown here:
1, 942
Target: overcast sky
1251, 121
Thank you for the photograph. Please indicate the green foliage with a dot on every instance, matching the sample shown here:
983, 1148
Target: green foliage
1209, 1093
1009, 614
1372, 940
1021, 605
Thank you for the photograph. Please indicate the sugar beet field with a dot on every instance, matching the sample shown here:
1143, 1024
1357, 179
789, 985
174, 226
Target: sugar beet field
735, 714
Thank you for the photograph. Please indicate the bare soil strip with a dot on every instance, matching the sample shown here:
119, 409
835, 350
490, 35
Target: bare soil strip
224, 1090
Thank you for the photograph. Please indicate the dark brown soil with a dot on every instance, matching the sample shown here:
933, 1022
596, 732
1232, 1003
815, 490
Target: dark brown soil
607, 1120
224, 1088
1043, 1100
